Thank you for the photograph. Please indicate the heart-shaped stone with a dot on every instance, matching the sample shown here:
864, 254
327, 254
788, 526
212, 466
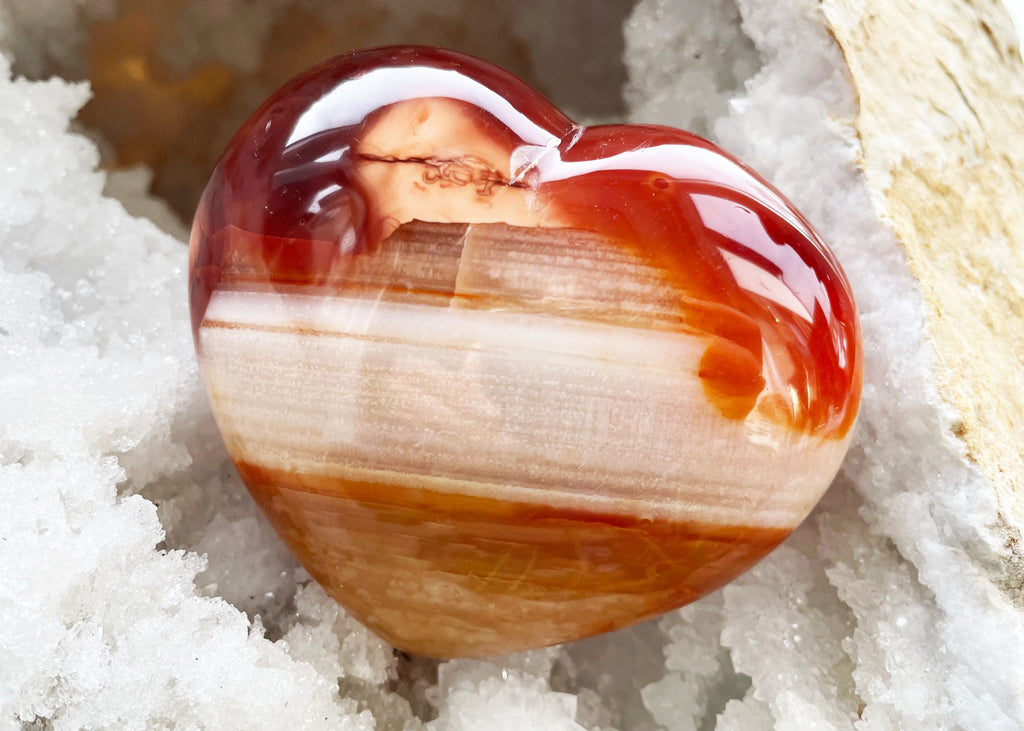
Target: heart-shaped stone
500, 380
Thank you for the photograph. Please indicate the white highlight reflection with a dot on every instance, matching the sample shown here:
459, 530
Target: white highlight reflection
757, 280
797, 288
351, 101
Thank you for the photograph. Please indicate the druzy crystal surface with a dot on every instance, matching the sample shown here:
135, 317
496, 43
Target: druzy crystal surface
500, 380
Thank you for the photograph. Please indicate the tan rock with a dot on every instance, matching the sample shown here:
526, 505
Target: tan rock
943, 151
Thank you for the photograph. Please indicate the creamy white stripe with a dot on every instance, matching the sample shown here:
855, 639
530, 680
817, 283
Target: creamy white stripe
503, 405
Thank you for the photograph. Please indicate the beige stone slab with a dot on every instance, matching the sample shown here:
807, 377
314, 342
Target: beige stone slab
941, 122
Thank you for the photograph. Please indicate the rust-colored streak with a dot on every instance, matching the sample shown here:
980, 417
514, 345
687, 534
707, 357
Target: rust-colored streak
449, 574
732, 377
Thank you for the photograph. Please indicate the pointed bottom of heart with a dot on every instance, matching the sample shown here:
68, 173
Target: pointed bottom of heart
450, 575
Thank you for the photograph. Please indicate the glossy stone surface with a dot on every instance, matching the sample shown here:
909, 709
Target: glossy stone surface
502, 381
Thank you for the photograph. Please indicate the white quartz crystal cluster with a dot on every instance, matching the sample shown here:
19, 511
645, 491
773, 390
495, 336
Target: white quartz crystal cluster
139, 587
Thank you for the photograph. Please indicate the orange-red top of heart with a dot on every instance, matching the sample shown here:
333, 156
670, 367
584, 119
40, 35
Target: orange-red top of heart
341, 157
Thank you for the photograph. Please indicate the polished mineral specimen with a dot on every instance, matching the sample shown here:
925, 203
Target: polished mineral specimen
500, 380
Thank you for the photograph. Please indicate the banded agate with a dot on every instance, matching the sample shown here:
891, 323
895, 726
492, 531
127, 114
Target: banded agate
502, 381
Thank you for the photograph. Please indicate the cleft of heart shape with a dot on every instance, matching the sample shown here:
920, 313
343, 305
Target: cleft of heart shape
500, 380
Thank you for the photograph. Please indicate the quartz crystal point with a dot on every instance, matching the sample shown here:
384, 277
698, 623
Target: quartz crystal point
500, 380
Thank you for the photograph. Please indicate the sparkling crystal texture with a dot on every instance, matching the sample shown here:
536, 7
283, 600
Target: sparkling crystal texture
500, 380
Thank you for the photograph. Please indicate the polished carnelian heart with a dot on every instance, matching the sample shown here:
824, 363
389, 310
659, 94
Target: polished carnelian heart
500, 380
